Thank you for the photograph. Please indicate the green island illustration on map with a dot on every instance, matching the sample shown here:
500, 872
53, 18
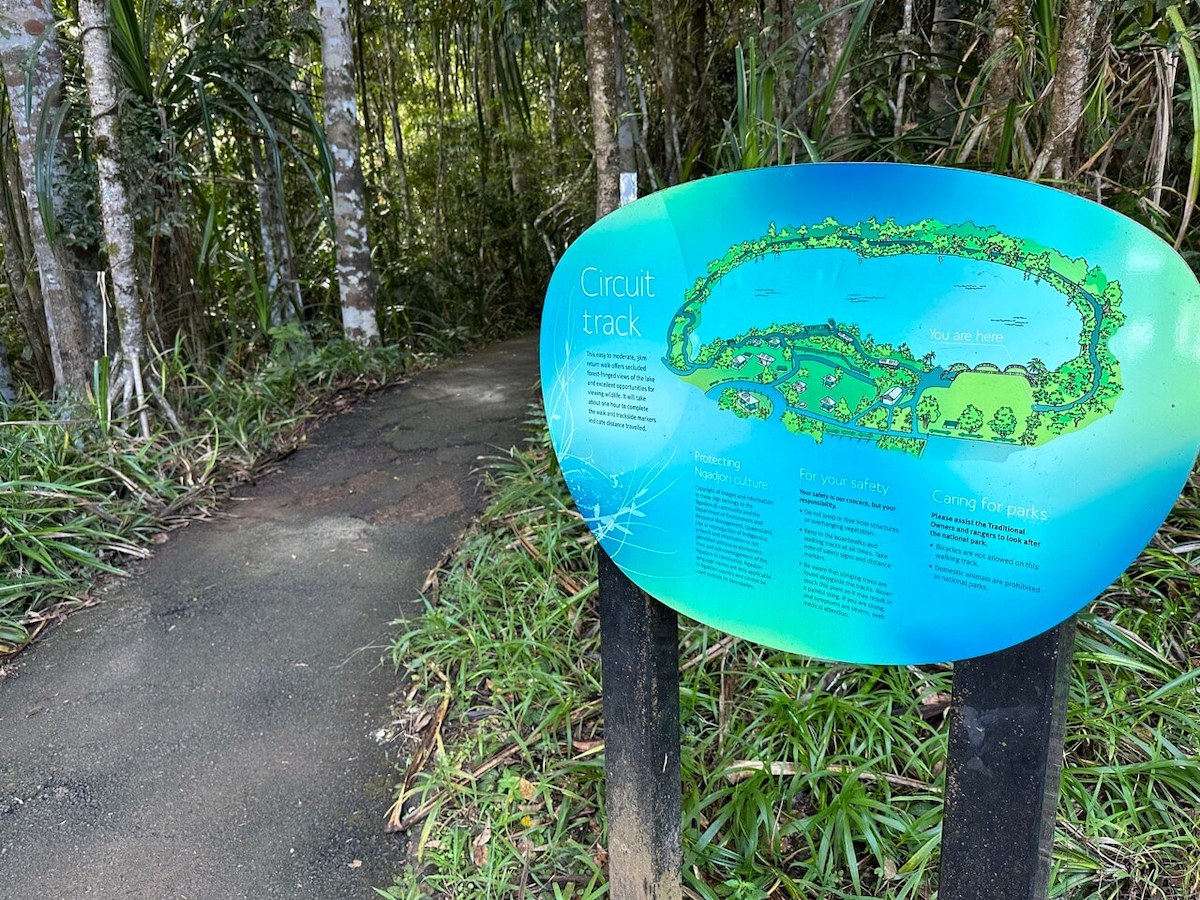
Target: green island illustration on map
833, 380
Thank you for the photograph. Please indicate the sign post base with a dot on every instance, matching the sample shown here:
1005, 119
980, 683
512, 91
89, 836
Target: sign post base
639, 647
1007, 724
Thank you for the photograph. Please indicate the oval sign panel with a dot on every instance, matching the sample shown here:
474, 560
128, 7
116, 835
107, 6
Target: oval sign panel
871, 412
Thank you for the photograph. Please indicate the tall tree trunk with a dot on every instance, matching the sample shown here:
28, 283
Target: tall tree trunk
8, 391
358, 48
283, 288
1070, 87
20, 264
944, 47
30, 58
837, 117
100, 75
356, 278
19, 269
553, 79
484, 122
906, 67
442, 96
692, 88
14, 272
664, 40
626, 121
398, 134
598, 40
643, 146
284, 300
793, 51
1011, 34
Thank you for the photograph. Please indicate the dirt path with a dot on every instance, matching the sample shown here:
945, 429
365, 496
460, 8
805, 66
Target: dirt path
207, 732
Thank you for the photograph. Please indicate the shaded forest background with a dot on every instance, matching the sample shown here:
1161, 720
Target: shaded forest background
480, 154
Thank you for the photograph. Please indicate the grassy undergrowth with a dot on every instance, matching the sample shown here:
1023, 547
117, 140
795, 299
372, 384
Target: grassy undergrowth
801, 779
79, 495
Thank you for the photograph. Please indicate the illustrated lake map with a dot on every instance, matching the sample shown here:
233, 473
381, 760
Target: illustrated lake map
872, 412
866, 387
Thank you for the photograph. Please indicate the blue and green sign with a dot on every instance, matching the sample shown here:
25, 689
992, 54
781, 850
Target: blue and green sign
874, 413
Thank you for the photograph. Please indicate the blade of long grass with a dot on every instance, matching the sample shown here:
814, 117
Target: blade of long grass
1188, 48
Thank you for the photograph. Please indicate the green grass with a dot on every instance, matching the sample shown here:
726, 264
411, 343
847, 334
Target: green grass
800, 778
988, 392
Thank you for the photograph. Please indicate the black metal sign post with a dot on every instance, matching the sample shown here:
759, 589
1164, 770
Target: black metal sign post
1007, 724
1007, 720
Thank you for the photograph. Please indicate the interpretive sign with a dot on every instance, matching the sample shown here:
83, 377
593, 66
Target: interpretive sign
871, 412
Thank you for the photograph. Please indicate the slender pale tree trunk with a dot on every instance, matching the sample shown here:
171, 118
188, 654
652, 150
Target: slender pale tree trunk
486, 126
442, 96
906, 67
356, 278
100, 75
1070, 88
553, 58
602, 87
33, 71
